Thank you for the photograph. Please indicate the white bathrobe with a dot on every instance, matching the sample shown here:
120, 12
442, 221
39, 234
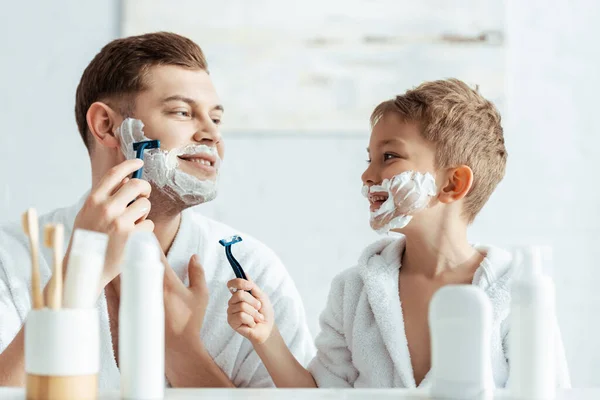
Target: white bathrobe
362, 342
196, 235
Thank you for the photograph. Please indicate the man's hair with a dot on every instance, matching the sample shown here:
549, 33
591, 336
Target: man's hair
117, 73
465, 128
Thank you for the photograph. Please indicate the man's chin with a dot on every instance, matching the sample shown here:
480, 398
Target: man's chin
168, 198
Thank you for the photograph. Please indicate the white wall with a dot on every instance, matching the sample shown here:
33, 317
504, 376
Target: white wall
44, 48
300, 194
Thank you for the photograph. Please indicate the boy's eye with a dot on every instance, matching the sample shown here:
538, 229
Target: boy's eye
216, 121
388, 156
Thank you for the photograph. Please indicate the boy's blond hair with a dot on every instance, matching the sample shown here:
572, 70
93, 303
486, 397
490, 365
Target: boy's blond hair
465, 128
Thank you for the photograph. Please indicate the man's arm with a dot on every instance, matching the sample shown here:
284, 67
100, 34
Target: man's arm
12, 362
194, 367
187, 363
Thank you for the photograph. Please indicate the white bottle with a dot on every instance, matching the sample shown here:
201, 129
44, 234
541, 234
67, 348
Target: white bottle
86, 261
142, 320
532, 329
460, 324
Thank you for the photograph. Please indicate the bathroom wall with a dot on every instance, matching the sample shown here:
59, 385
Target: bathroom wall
297, 188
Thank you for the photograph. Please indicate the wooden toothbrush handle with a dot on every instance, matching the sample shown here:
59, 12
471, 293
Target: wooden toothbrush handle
36, 280
56, 283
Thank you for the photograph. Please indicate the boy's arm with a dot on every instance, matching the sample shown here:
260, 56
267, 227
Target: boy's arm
284, 368
252, 316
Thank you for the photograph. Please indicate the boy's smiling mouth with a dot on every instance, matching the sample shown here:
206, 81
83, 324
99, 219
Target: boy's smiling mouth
377, 199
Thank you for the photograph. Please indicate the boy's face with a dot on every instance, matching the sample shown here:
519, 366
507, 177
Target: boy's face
181, 107
395, 146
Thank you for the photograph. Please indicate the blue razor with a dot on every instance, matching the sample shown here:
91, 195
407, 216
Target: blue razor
139, 148
235, 265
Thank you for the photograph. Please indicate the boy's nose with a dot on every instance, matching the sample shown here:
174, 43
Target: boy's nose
369, 177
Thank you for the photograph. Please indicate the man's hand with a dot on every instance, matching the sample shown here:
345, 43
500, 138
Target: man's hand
107, 210
187, 362
250, 312
184, 307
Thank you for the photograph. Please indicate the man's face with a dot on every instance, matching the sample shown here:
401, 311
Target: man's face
181, 107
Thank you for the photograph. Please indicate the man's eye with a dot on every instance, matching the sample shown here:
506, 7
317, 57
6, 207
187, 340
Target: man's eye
182, 113
216, 121
388, 156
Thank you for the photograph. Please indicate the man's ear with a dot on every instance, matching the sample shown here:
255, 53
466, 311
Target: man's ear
102, 122
457, 185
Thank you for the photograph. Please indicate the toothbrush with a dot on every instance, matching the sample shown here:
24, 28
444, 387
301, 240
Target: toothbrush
139, 148
235, 265
54, 238
31, 229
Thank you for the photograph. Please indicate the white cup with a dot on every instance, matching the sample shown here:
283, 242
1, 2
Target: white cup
63, 342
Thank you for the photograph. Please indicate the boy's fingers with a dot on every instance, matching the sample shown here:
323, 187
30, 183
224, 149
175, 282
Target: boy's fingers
246, 319
241, 296
246, 308
240, 284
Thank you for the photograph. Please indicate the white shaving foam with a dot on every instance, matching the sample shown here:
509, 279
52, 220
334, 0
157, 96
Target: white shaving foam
161, 167
408, 193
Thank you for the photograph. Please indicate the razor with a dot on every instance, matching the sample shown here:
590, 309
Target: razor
139, 148
235, 265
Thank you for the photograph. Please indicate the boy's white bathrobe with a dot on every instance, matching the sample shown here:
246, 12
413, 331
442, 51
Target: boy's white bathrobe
196, 235
362, 342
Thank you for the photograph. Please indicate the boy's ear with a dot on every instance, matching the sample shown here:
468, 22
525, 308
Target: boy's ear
102, 122
457, 185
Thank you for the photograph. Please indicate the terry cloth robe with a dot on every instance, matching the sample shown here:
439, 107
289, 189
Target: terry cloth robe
362, 342
197, 235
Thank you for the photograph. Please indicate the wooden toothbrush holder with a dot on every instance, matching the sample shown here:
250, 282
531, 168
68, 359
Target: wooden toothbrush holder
62, 354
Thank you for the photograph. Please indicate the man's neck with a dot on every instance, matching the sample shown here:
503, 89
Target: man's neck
165, 229
435, 252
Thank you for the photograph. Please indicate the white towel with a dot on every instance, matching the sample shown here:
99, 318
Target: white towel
362, 342
196, 235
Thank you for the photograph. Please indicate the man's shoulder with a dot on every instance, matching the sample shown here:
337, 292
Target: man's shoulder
14, 244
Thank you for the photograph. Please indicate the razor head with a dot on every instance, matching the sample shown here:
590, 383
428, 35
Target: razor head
139, 147
146, 144
230, 240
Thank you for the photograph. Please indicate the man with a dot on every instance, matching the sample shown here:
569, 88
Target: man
156, 86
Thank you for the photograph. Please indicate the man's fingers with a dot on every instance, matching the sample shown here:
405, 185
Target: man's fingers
171, 280
196, 273
130, 191
119, 186
135, 213
242, 296
115, 176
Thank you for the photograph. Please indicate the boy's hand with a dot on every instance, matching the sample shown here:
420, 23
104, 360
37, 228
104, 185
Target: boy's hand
107, 210
250, 314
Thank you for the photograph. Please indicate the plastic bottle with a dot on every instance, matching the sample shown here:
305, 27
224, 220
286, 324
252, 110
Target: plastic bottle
532, 328
142, 320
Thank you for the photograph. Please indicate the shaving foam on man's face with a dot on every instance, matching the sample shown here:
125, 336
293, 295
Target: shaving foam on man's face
394, 202
162, 166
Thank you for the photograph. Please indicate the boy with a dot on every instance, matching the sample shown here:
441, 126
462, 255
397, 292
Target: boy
436, 154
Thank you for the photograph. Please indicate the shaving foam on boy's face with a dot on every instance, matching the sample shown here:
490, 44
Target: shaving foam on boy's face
396, 200
162, 166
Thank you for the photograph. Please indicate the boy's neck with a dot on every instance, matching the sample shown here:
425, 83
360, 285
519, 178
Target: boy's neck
444, 250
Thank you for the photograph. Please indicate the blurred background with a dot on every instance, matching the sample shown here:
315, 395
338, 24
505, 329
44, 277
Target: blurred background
299, 80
